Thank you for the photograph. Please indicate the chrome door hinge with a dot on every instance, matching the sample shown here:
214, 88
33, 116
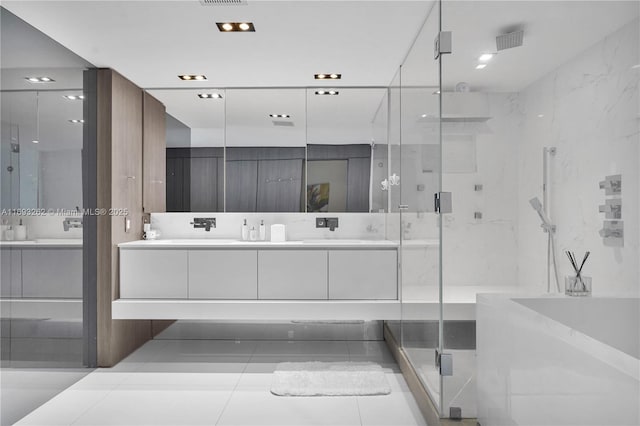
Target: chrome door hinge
442, 202
444, 362
442, 44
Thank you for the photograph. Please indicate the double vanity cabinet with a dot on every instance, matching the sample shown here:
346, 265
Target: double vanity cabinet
230, 270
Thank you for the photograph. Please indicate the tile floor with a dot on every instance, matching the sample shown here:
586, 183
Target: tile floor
225, 382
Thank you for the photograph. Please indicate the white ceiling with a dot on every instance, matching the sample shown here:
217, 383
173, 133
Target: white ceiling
151, 42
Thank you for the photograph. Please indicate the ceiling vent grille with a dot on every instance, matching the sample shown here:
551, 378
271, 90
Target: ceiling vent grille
509, 41
223, 2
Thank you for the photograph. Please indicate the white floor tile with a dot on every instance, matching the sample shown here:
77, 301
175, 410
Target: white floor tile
297, 348
174, 380
395, 409
65, 408
197, 365
261, 408
147, 406
225, 383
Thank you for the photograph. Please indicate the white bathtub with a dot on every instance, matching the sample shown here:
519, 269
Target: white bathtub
558, 360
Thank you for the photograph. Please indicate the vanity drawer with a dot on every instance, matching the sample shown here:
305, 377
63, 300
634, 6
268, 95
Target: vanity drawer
223, 274
153, 274
289, 274
363, 274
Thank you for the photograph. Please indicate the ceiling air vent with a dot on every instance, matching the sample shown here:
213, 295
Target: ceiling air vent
223, 2
282, 123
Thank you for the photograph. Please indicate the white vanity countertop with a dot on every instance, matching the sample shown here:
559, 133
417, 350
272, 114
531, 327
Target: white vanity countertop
44, 242
228, 243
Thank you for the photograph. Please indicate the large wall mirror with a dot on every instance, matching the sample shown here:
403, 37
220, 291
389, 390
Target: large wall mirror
195, 149
277, 149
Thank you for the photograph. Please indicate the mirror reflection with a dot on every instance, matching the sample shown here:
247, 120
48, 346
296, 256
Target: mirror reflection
195, 149
277, 150
42, 148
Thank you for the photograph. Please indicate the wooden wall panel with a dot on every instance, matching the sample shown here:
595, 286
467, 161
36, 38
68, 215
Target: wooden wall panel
119, 185
154, 144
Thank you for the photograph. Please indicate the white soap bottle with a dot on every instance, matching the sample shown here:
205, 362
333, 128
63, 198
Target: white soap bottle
263, 231
8, 234
253, 235
20, 232
245, 231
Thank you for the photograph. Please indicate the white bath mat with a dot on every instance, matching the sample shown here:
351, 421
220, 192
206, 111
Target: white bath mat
329, 379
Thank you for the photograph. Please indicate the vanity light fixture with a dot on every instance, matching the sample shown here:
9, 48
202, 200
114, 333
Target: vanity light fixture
192, 77
327, 92
209, 95
279, 116
39, 79
74, 121
236, 27
74, 97
481, 66
485, 57
331, 76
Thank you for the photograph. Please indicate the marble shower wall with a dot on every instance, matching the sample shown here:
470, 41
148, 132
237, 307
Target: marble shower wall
484, 251
587, 109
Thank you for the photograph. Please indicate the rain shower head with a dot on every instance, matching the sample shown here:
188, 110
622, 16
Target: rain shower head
509, 40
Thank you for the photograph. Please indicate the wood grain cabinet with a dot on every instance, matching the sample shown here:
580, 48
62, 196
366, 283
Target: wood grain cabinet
363, 274
289, 274
223, 274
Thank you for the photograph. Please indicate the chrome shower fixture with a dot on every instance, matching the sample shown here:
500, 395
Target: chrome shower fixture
546, 222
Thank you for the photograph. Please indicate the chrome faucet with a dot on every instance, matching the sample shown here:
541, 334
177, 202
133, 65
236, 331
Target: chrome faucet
71, 222
204, 222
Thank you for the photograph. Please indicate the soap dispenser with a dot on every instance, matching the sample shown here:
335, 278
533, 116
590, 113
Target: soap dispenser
245, 231
253, 234
20, 232
263, 231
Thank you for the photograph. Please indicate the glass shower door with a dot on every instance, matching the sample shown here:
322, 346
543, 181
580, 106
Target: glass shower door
420, 179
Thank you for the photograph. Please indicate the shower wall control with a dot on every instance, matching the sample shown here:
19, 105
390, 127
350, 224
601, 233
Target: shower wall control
612, 185
612, 208
612, 231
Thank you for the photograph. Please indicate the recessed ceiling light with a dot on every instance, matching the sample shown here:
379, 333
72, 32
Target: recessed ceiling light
39, 79
481, 66
327, 92
35, 141
209, 95
74, 97
485, 57
424, 116
540, 115
74, 121
332, 76
190, 77
279, 116
231, 27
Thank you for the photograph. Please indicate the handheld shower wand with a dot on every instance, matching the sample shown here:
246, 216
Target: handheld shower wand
546, 223
547, 226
